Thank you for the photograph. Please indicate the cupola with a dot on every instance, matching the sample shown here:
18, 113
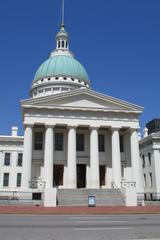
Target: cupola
61, 72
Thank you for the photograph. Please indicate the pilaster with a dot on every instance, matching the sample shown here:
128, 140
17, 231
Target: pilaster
27, 156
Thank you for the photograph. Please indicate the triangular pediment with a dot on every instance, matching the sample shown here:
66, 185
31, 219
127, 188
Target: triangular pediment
82, 99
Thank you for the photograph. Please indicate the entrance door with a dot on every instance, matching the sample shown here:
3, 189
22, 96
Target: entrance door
58, 175
102, 175
81, 176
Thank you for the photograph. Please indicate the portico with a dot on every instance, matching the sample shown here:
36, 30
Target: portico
92, 165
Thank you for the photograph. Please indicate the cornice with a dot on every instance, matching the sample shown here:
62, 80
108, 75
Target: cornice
11, 138
69, 114
27, 106
89, 92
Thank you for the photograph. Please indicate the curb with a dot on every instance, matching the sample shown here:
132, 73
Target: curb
39, 210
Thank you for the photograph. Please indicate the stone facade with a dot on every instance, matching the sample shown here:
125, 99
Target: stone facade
150, 160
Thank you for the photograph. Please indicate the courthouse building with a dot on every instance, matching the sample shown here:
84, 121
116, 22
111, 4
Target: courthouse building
74, 137
150, 159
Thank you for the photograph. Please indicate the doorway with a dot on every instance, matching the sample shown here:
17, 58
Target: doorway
58, 175
81, 176
102, 171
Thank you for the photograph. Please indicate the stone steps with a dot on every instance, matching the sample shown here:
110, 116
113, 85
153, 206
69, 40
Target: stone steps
79, 197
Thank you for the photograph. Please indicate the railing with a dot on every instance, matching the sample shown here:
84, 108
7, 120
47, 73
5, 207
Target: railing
118, 191
128, 184
37, 184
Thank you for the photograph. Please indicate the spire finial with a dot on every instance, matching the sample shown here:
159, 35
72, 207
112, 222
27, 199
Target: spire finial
62, 20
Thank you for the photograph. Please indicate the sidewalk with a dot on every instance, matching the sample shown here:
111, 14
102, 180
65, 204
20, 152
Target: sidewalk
78, 210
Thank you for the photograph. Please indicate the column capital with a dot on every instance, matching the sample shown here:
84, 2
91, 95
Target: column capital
94, 127
31, 125
133, 130
115, 129
49, 125
72, 126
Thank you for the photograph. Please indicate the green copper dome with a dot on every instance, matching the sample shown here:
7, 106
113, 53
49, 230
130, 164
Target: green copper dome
61, 65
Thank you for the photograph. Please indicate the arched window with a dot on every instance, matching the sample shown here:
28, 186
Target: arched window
66, 44
62, 44
59, 44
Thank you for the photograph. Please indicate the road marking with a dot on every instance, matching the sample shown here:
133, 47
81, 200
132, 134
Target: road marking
99, 221
87, 217
102, 228
98, 218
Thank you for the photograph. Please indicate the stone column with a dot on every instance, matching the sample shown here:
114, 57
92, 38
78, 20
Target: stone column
94, 158
71, 158
135, 159
128, 169
48, 157
108, 175
116, 158
27, 156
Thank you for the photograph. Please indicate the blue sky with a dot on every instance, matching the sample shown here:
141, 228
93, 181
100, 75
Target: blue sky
118, 42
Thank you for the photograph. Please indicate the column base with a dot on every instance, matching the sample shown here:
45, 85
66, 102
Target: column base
50, 197
71, 186
131, 197
95, 185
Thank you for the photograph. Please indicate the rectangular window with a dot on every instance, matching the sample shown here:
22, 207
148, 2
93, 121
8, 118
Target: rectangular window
19, 177
58, 141
6, 180
150, 179
101, 143
80, 142
37, 196
20, 157
143, 161
144, 179
121, 143
149, 159
38, 141
7, 159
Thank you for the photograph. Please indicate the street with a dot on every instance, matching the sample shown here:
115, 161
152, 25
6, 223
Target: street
79, 227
